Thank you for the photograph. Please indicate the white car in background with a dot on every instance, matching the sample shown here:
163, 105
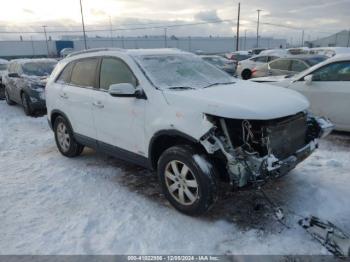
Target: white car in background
330, 51
245, 67
3, 71
326, 85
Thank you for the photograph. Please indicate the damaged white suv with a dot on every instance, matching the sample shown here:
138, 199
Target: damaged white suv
170, 111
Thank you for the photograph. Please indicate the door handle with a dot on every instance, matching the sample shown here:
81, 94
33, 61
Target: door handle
98, 104
64, 96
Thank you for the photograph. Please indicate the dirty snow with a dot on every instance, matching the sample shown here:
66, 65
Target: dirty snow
95, 204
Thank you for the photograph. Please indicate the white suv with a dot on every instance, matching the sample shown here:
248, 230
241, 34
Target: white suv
172, 112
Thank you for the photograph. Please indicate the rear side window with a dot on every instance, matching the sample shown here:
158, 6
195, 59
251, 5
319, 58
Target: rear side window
65, 75
280, 64
115, 71
84, 73
272, 58
261, 59
298, 66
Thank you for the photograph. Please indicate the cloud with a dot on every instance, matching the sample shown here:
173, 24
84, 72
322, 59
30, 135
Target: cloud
209, 15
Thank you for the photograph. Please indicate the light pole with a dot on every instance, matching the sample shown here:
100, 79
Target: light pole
111, 28
47, 44
257, 29
82, 22
238, 20
165, 38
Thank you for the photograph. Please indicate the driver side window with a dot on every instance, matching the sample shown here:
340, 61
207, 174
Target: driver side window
115, 71
339, 71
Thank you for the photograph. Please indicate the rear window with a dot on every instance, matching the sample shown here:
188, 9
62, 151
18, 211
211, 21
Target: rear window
84, 73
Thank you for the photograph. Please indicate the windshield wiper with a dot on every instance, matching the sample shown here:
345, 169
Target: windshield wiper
216, 84
180, 88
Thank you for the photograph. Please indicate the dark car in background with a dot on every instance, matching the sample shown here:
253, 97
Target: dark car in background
25, 83
221, 63
3, 71
288, 65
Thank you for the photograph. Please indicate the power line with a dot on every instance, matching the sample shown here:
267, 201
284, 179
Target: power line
120, 28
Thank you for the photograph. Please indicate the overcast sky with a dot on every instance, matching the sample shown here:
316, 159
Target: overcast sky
318, 17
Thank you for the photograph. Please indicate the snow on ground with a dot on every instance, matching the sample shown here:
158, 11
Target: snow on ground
95, 204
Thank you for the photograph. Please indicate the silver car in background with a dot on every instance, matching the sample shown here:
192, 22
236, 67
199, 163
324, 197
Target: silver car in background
288, 65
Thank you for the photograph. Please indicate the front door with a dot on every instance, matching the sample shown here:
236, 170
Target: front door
119, 121
329, 93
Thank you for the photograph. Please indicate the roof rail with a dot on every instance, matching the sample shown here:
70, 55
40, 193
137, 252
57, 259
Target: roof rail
93, 50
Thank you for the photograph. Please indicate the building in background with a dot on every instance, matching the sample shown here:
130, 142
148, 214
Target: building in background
211, 45
340, 39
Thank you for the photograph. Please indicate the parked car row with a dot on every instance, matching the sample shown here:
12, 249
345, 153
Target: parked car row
25, 83
171, 111
326, 85
3, 71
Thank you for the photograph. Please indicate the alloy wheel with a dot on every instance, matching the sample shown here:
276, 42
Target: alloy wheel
63, 137
181, 183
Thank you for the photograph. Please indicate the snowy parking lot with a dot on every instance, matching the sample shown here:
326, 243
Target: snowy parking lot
95, 204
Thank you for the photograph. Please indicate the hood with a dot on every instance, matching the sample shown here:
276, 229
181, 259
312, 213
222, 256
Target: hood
242, 100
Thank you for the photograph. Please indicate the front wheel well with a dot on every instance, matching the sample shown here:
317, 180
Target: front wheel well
162, 142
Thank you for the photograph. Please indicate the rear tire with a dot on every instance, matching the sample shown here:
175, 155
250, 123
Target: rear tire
188, 180
65, 140
27, 107
246, 74
8, 99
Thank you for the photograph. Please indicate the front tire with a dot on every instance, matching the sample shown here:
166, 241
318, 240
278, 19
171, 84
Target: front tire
8, 99
27, 107
65, 140
188, 180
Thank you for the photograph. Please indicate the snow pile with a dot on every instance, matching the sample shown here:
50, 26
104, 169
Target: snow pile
95, 204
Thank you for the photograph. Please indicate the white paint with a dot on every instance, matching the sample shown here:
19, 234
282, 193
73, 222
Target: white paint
54, 205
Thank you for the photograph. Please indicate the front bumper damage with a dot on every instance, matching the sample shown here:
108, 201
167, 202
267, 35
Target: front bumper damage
247, 167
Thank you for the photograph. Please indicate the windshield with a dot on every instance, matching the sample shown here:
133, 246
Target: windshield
182, 71
38, 68
3, 67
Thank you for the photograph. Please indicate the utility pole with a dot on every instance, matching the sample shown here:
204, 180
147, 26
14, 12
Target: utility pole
111, 28
83, 24
47, 43
348, 39
165, 38
238, 20
302, 38
257, 28
245, 40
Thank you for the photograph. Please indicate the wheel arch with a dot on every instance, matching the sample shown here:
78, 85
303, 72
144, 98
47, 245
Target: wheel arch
165, 139
56, 113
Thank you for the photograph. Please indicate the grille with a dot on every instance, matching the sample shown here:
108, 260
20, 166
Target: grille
286, 135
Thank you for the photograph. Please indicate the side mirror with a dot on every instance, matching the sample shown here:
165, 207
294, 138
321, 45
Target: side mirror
308, 79
14, 75
122, 90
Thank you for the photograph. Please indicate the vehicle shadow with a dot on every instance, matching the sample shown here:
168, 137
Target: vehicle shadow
246, 209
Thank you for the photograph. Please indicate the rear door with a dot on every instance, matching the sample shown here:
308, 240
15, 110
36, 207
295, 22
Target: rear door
78, 96
329, 93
